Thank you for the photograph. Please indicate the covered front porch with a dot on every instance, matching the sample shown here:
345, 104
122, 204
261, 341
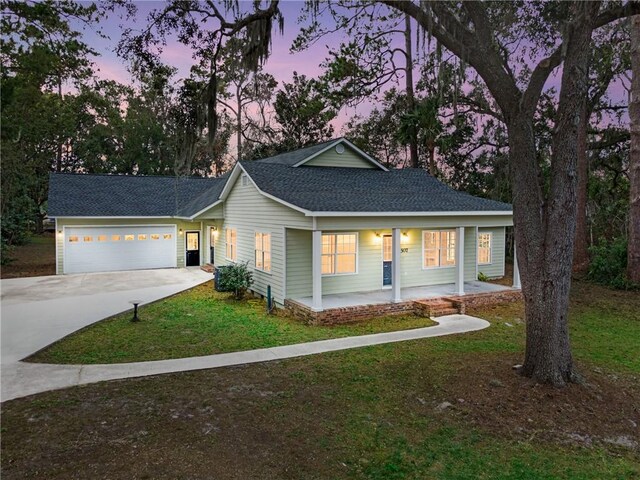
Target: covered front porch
383, 296
395, 265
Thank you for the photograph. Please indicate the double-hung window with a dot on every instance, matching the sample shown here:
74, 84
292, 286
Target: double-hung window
484, 248
339, 253
232, 244
263, 251
439, 248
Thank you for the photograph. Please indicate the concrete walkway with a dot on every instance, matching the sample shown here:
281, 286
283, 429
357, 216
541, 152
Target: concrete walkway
21, 379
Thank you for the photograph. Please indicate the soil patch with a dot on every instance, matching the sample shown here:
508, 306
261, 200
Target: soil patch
485, 392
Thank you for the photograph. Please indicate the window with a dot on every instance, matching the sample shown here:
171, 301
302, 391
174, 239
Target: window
245, 180
232, 244
155, 236
115, 238
73, 239
339, 252
439, 248
484, 248
102, 238
88, 238
263, 251
128, 238
167, 236
142, 236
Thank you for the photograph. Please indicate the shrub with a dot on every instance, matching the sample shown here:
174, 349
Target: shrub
609, 264
234, 278
482, 277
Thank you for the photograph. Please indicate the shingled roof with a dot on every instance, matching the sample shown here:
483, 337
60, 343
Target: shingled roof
82, 195
322, 189
316, 189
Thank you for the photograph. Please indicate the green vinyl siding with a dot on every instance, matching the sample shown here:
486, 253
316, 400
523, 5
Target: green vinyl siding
298, 263
113, 222
248, 211
216, 211
348, 158
496, 267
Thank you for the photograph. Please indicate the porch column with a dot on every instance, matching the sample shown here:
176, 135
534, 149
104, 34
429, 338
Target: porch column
395, 262
516, 270
316, 269
460, 261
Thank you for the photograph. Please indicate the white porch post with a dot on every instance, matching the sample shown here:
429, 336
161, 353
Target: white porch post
395, 258
516, 270
460, 261
316, 269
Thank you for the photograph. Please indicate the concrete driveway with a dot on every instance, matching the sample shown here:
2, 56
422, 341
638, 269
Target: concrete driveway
37, 311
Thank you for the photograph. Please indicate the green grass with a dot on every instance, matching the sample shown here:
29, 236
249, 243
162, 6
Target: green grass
201, 322
365, 413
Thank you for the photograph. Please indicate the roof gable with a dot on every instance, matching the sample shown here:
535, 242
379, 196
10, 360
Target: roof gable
338, 152
340, 155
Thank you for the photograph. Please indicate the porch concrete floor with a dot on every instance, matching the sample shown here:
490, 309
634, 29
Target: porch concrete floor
340, 300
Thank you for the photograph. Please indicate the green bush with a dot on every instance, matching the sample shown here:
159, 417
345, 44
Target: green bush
234, 278
482, 277
609, 264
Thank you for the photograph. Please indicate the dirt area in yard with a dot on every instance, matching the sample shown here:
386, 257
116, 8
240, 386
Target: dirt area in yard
34, 259
486, 394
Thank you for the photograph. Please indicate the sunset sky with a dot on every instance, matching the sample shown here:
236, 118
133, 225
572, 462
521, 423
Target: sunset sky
281, 64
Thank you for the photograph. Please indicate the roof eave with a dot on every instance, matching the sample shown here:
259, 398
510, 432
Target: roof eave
461, 213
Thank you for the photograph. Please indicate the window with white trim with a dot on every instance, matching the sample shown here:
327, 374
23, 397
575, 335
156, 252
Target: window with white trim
232, 244
438, 248
339, 253
484, 248
244, 180
263, 251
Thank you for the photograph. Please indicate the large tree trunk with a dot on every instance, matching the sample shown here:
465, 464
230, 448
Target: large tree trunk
544, 257
411, 100
581, 250
548, 278
633, 258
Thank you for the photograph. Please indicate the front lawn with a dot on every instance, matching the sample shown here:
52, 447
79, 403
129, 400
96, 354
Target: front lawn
198, 322
439, 408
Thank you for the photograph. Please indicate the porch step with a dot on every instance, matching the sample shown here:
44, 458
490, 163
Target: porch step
437, 307
444, 311
208, 268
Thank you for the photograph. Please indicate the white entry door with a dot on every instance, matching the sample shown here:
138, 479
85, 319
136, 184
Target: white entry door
108, 249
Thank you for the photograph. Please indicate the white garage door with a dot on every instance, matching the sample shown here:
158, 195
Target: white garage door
107, 249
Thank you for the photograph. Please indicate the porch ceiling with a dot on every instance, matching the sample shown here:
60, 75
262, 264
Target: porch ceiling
341, 300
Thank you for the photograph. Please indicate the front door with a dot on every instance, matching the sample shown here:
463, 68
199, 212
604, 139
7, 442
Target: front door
212, 242
193, 249
387, 278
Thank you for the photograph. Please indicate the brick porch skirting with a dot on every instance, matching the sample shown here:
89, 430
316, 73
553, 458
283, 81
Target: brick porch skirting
489, 298
336, 316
